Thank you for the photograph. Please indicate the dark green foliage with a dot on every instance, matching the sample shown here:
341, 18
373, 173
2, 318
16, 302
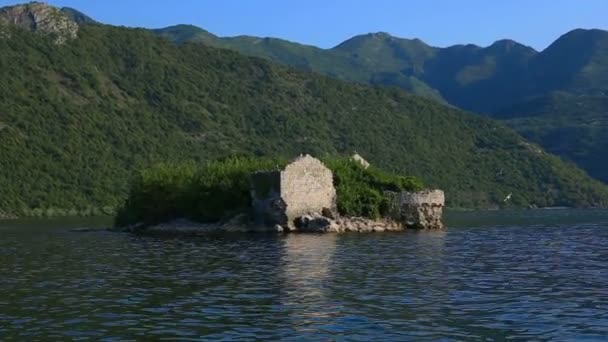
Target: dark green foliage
186, 34
77, 120
556, 97
572, 126
361, 191
219, 189
205, 193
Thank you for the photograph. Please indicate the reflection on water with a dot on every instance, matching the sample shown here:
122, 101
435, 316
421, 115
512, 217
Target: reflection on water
518, 280
306, 272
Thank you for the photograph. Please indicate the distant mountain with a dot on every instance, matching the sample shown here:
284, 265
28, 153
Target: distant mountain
187, 34
562, 87
77, 120
76, 16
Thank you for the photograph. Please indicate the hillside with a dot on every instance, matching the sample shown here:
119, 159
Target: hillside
475, 78
78, 119
505, 80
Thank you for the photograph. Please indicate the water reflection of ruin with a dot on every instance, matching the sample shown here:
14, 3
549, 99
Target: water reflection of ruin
323, 275
306, 269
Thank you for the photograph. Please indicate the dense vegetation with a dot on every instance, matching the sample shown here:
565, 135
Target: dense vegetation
573, 126
207, 192
557, 97
360, 190
77, 120
220, 189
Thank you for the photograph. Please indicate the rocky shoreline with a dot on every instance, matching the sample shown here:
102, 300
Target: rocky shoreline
342, 225
313, 223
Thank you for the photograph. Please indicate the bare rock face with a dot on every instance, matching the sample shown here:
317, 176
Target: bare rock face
42, 18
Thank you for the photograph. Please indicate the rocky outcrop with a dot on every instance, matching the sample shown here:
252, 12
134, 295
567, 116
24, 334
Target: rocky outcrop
328, 222
322, 224
242, 224
42, 18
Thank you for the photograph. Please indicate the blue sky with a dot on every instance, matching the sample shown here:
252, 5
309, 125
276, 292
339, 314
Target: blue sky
326, 23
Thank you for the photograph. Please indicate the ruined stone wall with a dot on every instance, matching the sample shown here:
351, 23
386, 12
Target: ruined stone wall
428, 197
267, 203
418, 210
307, 186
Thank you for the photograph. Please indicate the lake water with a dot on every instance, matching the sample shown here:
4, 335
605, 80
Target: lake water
517, 275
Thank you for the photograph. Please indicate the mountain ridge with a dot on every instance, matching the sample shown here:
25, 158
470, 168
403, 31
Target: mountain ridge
499, 80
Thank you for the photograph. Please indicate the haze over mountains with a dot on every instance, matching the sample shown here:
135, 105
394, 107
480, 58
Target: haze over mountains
555, 97
85, 104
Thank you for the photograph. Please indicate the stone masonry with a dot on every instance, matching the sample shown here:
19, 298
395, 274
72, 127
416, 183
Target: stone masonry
304, 187
418, 210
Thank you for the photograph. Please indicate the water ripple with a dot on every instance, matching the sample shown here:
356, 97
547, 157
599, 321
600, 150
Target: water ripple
488, 283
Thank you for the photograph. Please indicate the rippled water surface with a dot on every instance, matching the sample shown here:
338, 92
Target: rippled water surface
492, 275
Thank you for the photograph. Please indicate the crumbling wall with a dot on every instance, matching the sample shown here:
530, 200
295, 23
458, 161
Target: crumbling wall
304, 187
307, 186
267, 203
418, 210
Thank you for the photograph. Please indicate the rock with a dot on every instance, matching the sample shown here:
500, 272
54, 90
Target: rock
42, 18
358, 159
320, 224
313, 224
328, 213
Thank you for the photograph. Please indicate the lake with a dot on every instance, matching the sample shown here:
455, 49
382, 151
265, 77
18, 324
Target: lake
516, 275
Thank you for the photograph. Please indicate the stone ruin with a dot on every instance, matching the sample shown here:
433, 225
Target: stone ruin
302, 197
303, 187
358, 159
417, 210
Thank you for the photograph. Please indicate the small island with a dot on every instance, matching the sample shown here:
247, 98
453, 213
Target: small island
263, 195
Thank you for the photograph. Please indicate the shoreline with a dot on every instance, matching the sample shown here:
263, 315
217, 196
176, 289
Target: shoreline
14, 217
242, 224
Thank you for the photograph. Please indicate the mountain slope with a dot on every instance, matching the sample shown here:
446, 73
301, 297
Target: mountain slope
337, 63
565, 107
576, 62
506, 80
77, 119
474, 78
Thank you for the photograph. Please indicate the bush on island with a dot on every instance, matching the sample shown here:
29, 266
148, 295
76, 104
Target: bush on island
219, 189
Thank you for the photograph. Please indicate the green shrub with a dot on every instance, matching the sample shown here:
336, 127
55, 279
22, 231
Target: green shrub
204, 193
360, 190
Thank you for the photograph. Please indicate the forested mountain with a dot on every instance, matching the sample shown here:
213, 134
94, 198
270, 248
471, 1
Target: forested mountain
561, 88
83, 108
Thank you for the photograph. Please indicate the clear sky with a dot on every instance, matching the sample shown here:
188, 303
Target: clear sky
326, 23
